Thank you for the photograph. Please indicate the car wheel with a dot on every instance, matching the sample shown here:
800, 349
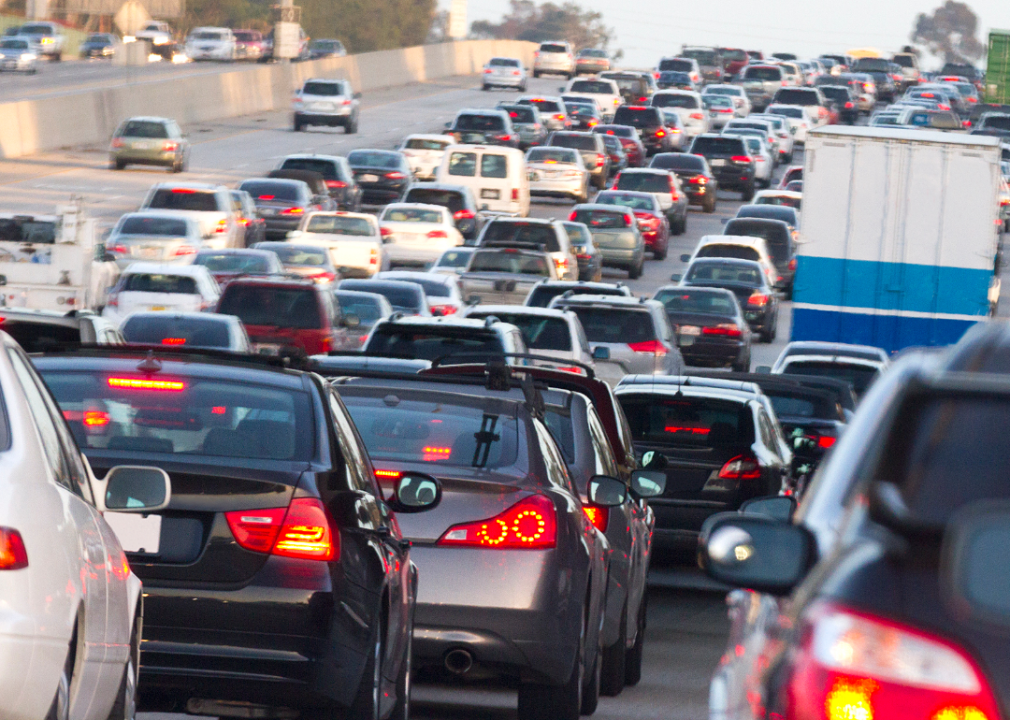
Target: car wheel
522, 88
742, 365
58, 57
682, 227
614, 658
661, 254
748, 194
536, 73
591, 688
177, 166
366, 703
401, 711
556, 702
485, 88
636, 272
633, 660
117, 165
710, 204
298, 125
60, 709
125, 707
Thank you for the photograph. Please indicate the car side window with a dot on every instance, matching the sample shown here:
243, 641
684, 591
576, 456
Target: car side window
557, 471
493, 166
605, 462
764, 427
356, 460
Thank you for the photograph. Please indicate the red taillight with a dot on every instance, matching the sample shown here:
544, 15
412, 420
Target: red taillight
600, 160
117, 142
336, 184
437, 235
852, 664
13, 555
503, 138
143, 383
572, 216
697, 116
443, 310
653, 347
118, 249
792, 264
388, 474
95, 418
222, 226
395, 175
293, 211
559, 116
724, 329
742, 159
183, 191
173, 341
848, 106
183, 250
826, 441
385, 232
303, 531
267, 198
515, 194
698, 180
530, 523
758, 299
741, 467
660, 133
598, 516
488, 71
170, 146
463, 214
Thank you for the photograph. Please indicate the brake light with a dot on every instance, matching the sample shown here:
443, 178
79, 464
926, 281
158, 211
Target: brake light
598, 516
170, 146
742, 159
647, 220
927, 95
463, 214
437, 235
389, 474
503, 138
487, 71
848, 106
222, 226
561, 264
724, 329
660, 133
292, 211
853, 664
515, 194
530, 523
373, 257
95, 418
792, 264
575, 370
119, 249
13, 555
698, 180
443, 310
302, 531
395, 175
697, 116
266, 197
336, 184
652, 347
184, 191
741, 467
826, 441
173, 341
117, 142
385, 232
572, 216
137, 383
184, 250
515, 72
758, 299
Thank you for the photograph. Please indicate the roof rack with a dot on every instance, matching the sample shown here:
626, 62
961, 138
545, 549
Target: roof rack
587, 369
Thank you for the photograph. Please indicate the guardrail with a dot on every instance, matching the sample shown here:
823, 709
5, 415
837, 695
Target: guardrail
89, 117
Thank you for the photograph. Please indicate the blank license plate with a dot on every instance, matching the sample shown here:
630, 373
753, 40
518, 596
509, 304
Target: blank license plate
368, 178
488, 194
158, 308
136, 533
689, 330
717, 163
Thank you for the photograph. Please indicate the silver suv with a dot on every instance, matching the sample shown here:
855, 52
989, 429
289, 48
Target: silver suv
554, 58
326, 102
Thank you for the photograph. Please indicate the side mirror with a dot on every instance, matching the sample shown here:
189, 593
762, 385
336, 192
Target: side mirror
755, 552
415, 492
606, 491
724, 220
648, 483
350, 321
108, 257
970, 580
601, 352
777, 507
887, 507
136, 489
676, 277
447, 125
685, 258
485, 207
763, 370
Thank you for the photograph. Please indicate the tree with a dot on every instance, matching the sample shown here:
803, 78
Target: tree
365, 25
537, 23
949, 33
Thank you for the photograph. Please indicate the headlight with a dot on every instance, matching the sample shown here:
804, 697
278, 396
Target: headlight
27, 56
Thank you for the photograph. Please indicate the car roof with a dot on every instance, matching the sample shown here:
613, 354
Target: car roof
416, 275
196, 186
684, 390
692, 288
148, 118
818, 347
746, 240
686, 381
518, 310
311, 156
166, 269
444, 187
440, 209
49, 317
388, 284
251, 252
726, 261
617, 301
212, 317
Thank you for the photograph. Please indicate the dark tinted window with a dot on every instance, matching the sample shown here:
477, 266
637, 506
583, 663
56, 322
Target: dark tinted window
602, 219
542, 295
771, 212
717, 146
724, 273
481, 123
433, 342
796, 96
184, 199
368, 310
449, 199
591, 86
505, 232
505, 261
188, 332
233, 262
540, 333
520, 114
838, 94
998, 122
740, 252
548, 106
859, 376
28, 230
675, 101
287, 307
401, 298
643, 182
687, 300
374, 158
322, 88
550, 48
504, 62
153, 226
804, 405
267, 191
904, 61
638, 117
157, 283
327, 168
144, 129
676, 64
578, 142
678, 161
615, 325
701, 422
763, 73
872, 65
39, 337
704, 57
777, 236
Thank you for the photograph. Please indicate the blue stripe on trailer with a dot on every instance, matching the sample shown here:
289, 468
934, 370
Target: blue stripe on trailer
891, 286
890, 332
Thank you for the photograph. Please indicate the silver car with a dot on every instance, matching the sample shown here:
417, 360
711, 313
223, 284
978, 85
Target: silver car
558, 172
155, 237
552, 333
616, 233
554, 58
368, 308
18, 55
326, 102
504, 72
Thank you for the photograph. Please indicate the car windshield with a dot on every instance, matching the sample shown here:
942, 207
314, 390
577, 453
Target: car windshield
859, 376
368, 310
143, 129
411, 215
479, 123
651, 182
635, 202
184, 199
340, 225
159, 283
602, 219
615, 325
179, 415
503, 232
323, 89
723, 273
286, 307
691, 421
373, 158
177, 332
233, 262
508, 261
703, 302
540, 333
675, 101
147, 225
552, 156
442, 429
327, 168
271, 191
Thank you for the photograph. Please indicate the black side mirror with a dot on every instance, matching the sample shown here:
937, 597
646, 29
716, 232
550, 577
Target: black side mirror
606, 491
415, 492
601, 352
685, 258
648, 483
357, 96
763, 370
676, 277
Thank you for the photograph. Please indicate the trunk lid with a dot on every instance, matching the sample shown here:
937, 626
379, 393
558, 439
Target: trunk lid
498, 288
132, 301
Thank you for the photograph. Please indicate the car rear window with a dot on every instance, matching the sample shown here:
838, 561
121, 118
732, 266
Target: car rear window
480, 123
859, 376
675, 101
651, 182
286, 307
872, 65
553, 48
771, 212
615, 325
684, 300
40, 337
552, 156
169, 330
676, 64
635, 202
445, 430
412, 215
678, 161
368, 310
638, 117
340, 225
207, 35
602, 219
401, 298
520, 114
505, 261
432, 342
704, 57
159, 283
143, 129
723, 273
998, 122
501, 233
226, 262
542, 295
172, 227
790, 112
617, 131
454, 259
701, 422
424, 144
780, 200
325, 89
776, 237
594, 87
549, 106
463, 164
450, 199
115, 411
795, 96
504, 62
540, 333
373, 158
267, 191
300, 255
740, 252
717, 146
801, 405
184, 199
576, 142
432, 287
327, 168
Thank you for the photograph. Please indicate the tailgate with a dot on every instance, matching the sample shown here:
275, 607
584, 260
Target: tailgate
497, 289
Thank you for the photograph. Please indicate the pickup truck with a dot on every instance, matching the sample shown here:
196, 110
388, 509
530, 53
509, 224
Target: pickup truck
159, 34
353, 240
47, 36
505, 276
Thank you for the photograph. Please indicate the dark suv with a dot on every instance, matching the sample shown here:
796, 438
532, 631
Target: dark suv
278, 556
340, 183
483, 127
729, 160
591, 148
649, 122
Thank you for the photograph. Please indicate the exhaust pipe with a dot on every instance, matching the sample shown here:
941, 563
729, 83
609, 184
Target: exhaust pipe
458, 661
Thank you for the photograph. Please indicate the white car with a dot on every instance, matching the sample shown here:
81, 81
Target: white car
417, 234
780, 126
785, 198
548, 332
211, 43
504, 72
354, 241
741, 102
554, 58
688, 105
70, 628
424, 153
160, 287
209, 205
742, 247
798, 117
764, 160
18, 54
606, 93
558, 172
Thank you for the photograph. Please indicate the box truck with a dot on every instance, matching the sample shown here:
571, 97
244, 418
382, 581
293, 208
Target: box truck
900, 234
997, 71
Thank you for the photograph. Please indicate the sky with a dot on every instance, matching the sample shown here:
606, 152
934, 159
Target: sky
648, 29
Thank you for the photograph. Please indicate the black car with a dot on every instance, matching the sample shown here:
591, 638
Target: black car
615, 151
844, 100
458, 199
649, 122
696, 177
98, 45
729, 160
710, 326
545, 291
383, 175
584, 115
629, 139
337, 175
778, 239
746, 280
483, 127
312, 178
281, 203
783, 213
279, 557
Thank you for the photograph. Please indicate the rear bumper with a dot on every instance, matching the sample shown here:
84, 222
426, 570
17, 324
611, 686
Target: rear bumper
381, 195
279, 227
734, 179
619, 257
504, 81
144, 158
713, 353
331, 119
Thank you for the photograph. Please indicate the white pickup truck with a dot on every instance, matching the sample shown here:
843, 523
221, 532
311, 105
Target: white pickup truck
53, 262
354, 241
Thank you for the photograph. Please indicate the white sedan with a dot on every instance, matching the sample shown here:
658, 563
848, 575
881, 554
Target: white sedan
71, 617
417, 234
741, 103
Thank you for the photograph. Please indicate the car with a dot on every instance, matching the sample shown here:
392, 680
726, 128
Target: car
282, 203
859, 365
482, 127
592, 150
793, 75
495, 174
161, 287
382, 175
544, 292
505, 275
46, 36
650, 124
547, 333
210, 205
799, 118
636, 87
709, 324
254, 228
254, 426
369, 308
159, 34
747, 280
326, 48
696, 178
844, 100
679, 64
552, 110
321, 101
300, 46
442, 291
993, 123
720, 110
761, 82
775, 133
211, 43
674, 126
424, 153
627, 335
318, 186
729, 161
616, 232
676, 80
311, 262
527, 123
789, 215
665, 186
453, 261
227, 265
417, 235
354, 241
504, 72
721, 446
650, 216
628, 136
779, 241
248, 44
554, 58
591, 61
740, 99
40, 330
736, 246
606, 93
781, 130
781, 198
60, 521
191, 330
458, 199
337, 174
709, 60
590, 257
734, 60
149, 141
758, 151
558, 172
791, 173
405, 298
158, 235
583, 112
18, 55
437, 340
99, 45
811, 98
548, 235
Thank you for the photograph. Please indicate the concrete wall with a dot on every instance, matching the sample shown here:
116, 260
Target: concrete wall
90, 116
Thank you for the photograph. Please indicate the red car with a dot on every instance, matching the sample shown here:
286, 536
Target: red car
248, 44
628, 136
733, 60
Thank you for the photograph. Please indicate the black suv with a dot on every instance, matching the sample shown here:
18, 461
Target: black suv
340, 183
729, 160
279, 558
649, 122
591, 148
844, 100
483, 127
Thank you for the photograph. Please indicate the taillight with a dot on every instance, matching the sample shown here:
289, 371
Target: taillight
487, 71
561, 264
741, 467
117, 142
647, 220
530, 523
323, 277
463, 214
660, 133
222, 226
792, 264
698, 180
758, 299
437, 235
559, 117
335, 184
385, 232
304, 530
852, 664
169, 146
395, 175
184, 250
697, 116
443, 310
826, 441
599, 160
13, 555
515, 194
598, 516
572, 216
653, 347
742, 159
724, 329
293, 211
373, 257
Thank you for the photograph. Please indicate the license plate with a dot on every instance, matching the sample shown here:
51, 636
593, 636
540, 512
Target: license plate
368, 178
158, 308
473, 138
717, 163
141, 145
137, 533
689, 330
320, 106
489, 194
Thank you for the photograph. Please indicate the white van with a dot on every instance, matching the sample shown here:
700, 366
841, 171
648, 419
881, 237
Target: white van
496, 175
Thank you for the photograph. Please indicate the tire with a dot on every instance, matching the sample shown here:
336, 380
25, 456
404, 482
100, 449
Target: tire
298, 125
636, 272
661, 254
522, 88
366, 702
748, 193
633, 659
591, 686
556, 702
742, 366
60, 709
485, 88
614, 659
177, 167
117, 165
125, 707
710, 204
351, 128
682, 226
401, 711
536, 74
58, 57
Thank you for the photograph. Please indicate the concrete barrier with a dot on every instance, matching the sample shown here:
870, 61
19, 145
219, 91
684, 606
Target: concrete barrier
88, 117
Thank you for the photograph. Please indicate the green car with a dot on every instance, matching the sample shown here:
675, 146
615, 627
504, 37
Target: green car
149, 141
